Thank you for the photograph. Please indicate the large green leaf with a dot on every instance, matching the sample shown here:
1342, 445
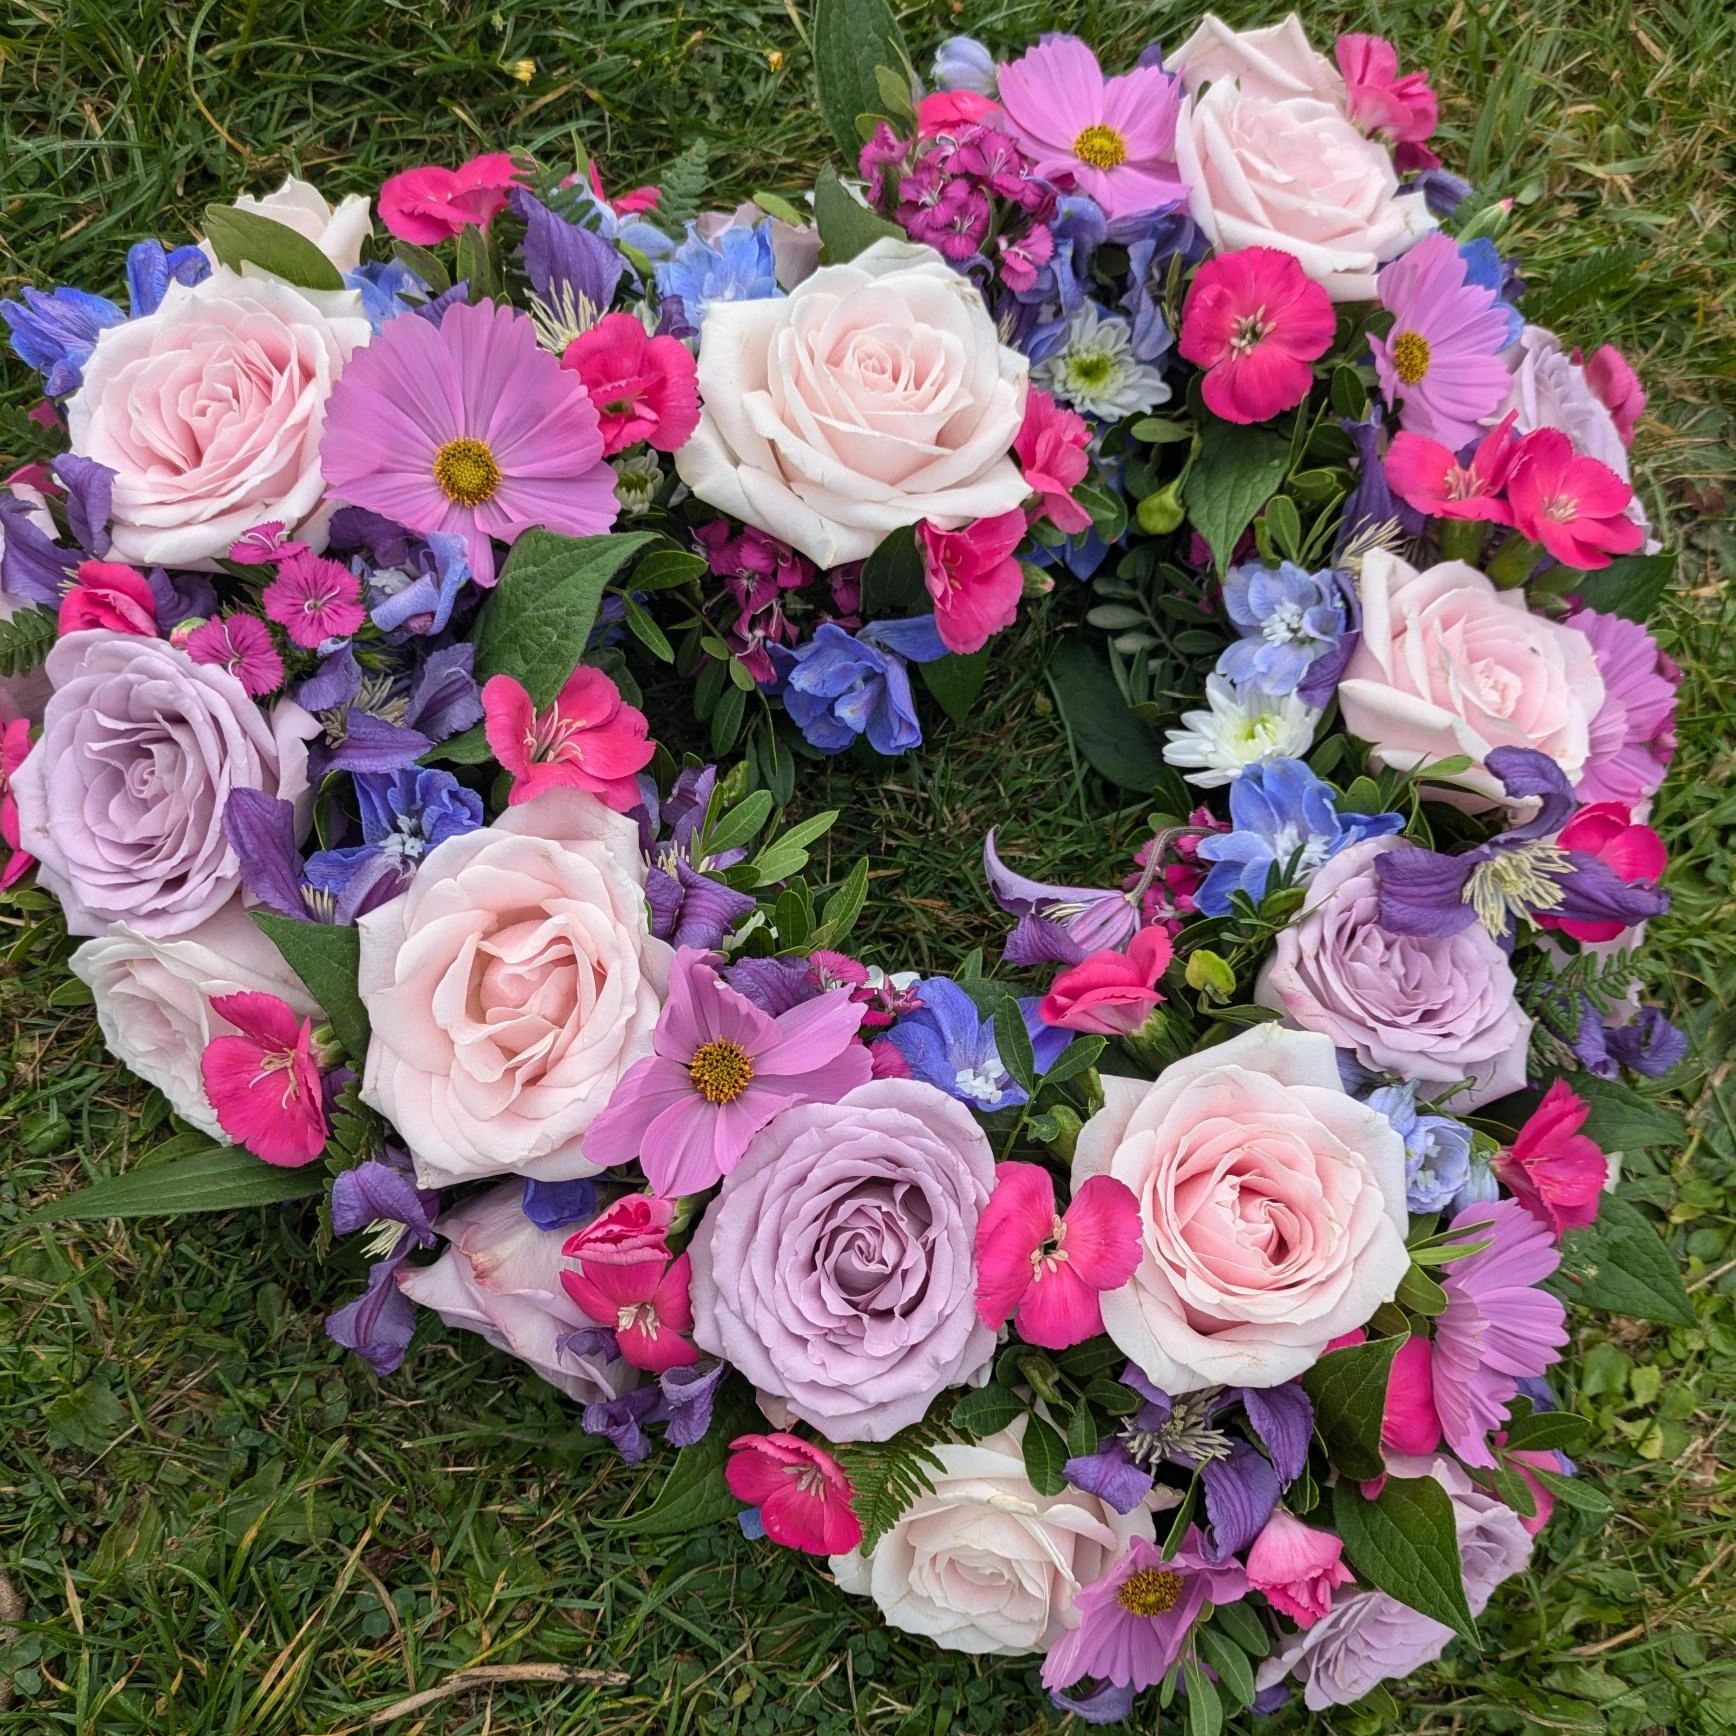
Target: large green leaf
1113, 738
892, 578
846, 225
538, 621
851, 40
1629, 585
196, 1176
1622, 1264
1405, 1543
326, 957
1348, 1388
1234, 474
1622, 1120
247, 237
957, 681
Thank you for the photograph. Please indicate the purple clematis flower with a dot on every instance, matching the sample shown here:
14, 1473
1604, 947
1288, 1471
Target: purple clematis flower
688, 906
1058, 924
624, 1420
261, 830
948, 1043
1518, 873
570, 268
688, 1395
55, 333
383, 720
381, 1195
33, 566
1648, 1044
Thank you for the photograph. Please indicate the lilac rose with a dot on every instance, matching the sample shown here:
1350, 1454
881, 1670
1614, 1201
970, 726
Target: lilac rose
121, 801
1436, 1010
835, 1268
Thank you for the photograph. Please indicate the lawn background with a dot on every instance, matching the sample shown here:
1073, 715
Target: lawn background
212, 1521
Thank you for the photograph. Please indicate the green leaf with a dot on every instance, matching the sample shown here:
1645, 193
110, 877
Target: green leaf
888, 1475
693, 1494
664, 568
740, 825
1284, 526
1233, 476
1235, 1674
1205, 1710
1565, 1431
326, 958
478, 262
211, 1178
647, 632
1629, 586
985, 1410
1079, 1054
788, 853
1244, 1627
682, 189
426, 264
1622, 1120
1108, 734
1013, 1044
847, 227
26, 639
1405, 1544
538, 619
851, 40
1348, 1388
246, 238
1621, 1264
89, 1417
468, 748
1045, 1457
1574, 1491
956, 681
1420, 1293
843, 907
776, 205
892, 577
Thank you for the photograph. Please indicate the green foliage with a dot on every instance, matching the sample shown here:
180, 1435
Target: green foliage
852, 40
326, 958
1619, 1263
1348, 1388
26, 639
247, 238
888, 1475
1404, 1543
1234, 474
682, 192
1109, 734
189, 1173
957, 681
847, 227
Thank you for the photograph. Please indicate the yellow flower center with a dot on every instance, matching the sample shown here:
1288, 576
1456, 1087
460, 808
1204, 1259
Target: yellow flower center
1410, 355
1151, 1591
720, 1070
466, 472
1101, 147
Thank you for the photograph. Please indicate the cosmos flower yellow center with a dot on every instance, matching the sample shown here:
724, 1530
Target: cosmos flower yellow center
1151, 1591
720, 1070
1101, 147
1410, 356
467, 472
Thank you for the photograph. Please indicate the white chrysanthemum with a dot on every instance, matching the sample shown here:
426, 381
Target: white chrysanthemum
637, 479
1096, 372
1243, 727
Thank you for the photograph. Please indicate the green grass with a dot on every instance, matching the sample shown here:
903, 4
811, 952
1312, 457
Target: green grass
211, 1521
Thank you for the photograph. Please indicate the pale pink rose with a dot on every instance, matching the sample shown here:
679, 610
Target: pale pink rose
337, 231
1270, 158
1272, 1210
1437, 1010
874, 395
1447, 665
795, 247
209, 412
510, 988
153, 999
499, 1276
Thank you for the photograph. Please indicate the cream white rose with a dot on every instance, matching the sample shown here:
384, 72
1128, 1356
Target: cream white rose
875, 394
1272, 1207
210, 410
1271, 159
982, 1562
338, 232
1448, 665
153, 999
510, 987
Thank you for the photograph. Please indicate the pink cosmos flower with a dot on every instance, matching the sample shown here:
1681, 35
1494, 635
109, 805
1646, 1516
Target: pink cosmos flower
1617, 387
14, 746
590, 738
1441, 363
107, 594
1255, 321
1432, 478
721, 1070
644, 388
313, 599
1111, 993
1633, 736
973, 577
1115, 137
1497, 1329
242, 645
1297, 1567
263, 545
1574, 506
1634, 852
264, 1083
1555, 1171
429, 205
801, 1491
1022, 258
1134, 1621
645, 1303
1052, 449
1379, 99
471, 428
1048, 1268
1409, 1423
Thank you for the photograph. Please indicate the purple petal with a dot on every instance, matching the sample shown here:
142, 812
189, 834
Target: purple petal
1421, 892
379, 1323
1525, 773
444, 697
1111, 1475
370, 744
562, 258
33, 567
1594, 892
552, 1205
1283, 1418
335, 683
774, 985
374, 1191
1104, 1704
261, 832
89, 499
689, 1394
1240, 1492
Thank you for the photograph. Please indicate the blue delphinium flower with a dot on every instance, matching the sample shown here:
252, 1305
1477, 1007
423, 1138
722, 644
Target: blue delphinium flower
404, 814
838, 686
1286, 618
1282, 817
387, 288
949, 1044
963, 63
1437, 1149
1485, 267
54, 333
736, 266
152, 267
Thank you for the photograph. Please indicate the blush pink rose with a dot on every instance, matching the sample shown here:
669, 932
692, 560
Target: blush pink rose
874, 395
1271, 158
1272, 1210
510, 988
1448, 665
1438, 1010
209, 412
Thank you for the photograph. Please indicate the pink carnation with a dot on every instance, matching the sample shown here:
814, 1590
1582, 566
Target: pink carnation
1432, 478
590, 738
645, 1303
106, 594
1379, 99
264, 1082
644, 388
1052, 447
1573, 505
1555, 1171
801, 1491
1617, 387
242, 645
429, 205
15, 862
973, 577
1297, 1567
314, 599
1111, 993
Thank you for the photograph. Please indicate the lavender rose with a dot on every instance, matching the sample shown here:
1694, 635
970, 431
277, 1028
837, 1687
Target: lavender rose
1439, 1011
835, 1267
1368, 1637
121, 801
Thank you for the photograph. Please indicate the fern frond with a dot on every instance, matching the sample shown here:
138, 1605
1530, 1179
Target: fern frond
682, 190
25, 640
889, 1475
